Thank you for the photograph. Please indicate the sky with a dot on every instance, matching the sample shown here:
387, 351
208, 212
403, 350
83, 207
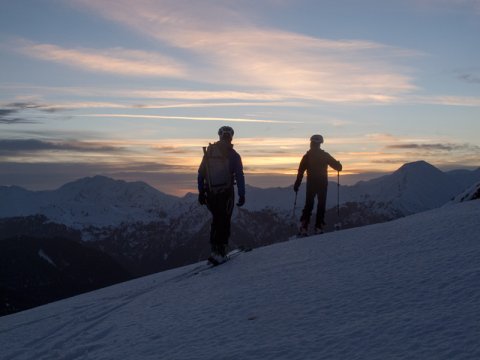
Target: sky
134, 89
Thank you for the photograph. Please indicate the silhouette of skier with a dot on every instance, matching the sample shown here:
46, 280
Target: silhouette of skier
315, 162
220, 168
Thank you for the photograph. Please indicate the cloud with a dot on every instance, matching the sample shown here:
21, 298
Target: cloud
20, 146
445, 100
118, 61
8, 113
470, 78
131, 98
5, 118
225, 48
434, 147
190, 118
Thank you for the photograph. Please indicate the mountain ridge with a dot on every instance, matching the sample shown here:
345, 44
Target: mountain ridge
403, 188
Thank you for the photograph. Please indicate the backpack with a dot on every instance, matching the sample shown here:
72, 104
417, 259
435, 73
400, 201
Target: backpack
217, 168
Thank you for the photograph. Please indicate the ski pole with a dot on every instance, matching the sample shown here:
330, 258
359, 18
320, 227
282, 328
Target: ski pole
294, 204
338, 225
338, 194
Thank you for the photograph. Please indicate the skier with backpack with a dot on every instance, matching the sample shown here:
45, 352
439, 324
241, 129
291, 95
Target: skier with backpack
220, 168
315, 162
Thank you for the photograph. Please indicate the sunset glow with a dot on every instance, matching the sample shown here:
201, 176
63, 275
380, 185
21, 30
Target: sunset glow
134, 92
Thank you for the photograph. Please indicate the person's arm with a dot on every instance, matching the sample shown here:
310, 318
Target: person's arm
201, 182
301, 170
239, 178
335, 164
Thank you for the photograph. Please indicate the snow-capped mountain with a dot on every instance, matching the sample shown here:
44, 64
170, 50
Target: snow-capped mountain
414, 187
465, 177
147, 231
93, 201
100, 201
405, 289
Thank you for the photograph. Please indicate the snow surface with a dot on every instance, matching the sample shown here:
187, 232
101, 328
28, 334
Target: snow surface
407, 289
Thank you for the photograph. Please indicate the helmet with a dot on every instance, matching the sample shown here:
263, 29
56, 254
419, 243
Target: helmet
225, 130
318, 139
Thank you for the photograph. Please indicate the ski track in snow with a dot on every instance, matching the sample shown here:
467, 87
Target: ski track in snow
407, 289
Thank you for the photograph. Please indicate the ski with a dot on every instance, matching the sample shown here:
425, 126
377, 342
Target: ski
302, 236
229, 256
209, 265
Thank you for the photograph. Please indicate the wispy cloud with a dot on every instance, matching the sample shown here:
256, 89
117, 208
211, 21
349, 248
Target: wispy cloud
10, 113
228, 49
152, 98
21, 146
189, 118
470, 78
117, 61
435, 147
445, 100
6, 118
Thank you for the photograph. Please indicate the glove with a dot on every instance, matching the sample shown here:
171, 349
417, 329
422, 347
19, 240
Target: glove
202, 199
296, 186
241, 201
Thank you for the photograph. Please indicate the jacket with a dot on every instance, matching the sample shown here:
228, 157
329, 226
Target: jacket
236, 169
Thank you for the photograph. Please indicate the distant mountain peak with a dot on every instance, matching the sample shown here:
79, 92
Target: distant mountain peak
416, 166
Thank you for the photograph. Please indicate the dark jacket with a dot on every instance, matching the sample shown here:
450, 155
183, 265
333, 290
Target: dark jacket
236, 169
316, 162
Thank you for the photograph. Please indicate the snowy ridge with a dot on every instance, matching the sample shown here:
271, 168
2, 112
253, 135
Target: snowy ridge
414, 187
96, 201
102, 202
472, 193
406, 289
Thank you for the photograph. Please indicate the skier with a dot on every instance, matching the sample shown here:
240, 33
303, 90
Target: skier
316, 162
221, 166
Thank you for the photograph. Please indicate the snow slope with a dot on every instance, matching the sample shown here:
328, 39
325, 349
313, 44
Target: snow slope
407, 289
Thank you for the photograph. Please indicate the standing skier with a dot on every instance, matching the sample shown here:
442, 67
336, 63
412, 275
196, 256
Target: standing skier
221, 166
315, 162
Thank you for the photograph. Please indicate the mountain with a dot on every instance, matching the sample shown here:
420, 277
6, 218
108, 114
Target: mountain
405, 289
414, 187
147, 231
465, 177
101, 202
93, 201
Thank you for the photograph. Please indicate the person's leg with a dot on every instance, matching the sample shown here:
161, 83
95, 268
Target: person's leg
322, 200
307, 210
221, 208
224, 223
213, 205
